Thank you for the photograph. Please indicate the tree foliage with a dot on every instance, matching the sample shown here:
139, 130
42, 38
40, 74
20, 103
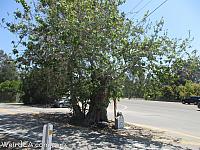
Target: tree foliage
7, 68
173, 82
9, 85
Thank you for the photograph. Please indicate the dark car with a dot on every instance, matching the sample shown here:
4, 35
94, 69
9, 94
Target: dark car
62, 103
198, 105
193, 99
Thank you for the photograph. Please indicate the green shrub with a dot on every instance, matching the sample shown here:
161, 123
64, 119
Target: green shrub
9, 90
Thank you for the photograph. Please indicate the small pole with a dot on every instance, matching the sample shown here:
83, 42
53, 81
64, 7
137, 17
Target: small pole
47, 136
115, 108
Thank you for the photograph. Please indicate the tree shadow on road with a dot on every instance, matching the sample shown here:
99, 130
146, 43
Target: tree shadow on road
28, 128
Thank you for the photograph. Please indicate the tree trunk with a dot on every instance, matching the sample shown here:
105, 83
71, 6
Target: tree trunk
96, 114
98, 107
77, 113
99, 99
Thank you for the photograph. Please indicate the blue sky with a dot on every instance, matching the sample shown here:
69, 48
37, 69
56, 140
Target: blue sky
180, 16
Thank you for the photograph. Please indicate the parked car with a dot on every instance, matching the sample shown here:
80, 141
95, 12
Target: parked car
198, 105
193, 99
62, 103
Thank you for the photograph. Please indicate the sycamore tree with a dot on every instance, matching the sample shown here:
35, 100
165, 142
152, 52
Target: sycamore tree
84, 48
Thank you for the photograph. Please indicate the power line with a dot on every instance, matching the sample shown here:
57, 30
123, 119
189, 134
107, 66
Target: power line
154, 10
142, 8
136, 5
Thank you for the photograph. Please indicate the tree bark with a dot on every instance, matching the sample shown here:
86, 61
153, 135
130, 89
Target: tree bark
77, 113
98, 107
96, 114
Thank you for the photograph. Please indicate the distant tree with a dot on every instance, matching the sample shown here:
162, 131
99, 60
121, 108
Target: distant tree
187, 69
9, 84
7, 67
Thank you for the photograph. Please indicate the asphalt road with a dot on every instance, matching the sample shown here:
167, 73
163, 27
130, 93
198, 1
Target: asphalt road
174, 118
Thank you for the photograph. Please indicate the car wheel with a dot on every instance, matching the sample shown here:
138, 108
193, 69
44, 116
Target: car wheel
183, 102
199, 105
61, 105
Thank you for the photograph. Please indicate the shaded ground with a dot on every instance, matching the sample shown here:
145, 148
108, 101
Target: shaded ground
28, 129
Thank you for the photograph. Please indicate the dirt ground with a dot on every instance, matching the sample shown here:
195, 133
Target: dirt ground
27, 129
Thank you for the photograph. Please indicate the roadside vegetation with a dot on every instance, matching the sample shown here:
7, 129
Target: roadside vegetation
173, 81
9, 83
90, 51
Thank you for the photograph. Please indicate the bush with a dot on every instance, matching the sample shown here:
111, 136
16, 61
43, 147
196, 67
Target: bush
9, 90
168, 93
189, 89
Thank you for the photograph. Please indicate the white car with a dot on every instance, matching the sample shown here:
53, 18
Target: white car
62, 103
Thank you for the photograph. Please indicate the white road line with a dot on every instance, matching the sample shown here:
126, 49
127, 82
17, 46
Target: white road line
125, 107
